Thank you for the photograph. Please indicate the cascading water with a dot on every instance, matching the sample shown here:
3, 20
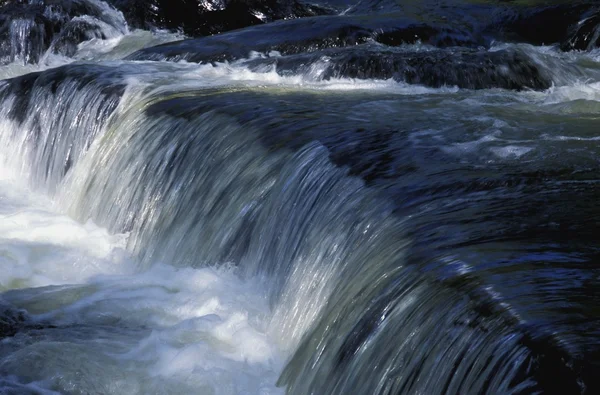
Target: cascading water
328, 215
25, 35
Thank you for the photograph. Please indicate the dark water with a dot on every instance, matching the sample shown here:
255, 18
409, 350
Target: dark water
399, 199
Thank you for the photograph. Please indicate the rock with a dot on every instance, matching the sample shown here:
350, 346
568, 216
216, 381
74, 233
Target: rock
29, 29
585, 35
346, 44
538, 25
24, 33
11, 321
77, 31
307, 35
464, 68
436, 35
206, 17
573, 24
287, 37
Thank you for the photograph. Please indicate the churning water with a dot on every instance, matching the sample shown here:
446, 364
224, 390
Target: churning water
305, 222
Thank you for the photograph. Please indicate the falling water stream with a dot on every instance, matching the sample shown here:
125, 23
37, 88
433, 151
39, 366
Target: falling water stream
303, 221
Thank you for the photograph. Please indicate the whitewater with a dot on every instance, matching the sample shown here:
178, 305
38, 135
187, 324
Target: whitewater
188, 218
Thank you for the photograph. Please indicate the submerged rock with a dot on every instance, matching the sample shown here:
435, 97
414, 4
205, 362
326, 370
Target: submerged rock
13, 321
90, 79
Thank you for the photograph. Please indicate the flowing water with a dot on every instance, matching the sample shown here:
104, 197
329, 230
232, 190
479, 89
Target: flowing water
283, 223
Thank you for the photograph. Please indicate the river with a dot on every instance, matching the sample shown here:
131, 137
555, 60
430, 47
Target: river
309, 206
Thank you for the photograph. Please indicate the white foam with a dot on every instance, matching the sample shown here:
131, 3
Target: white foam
192, 75
569, 93
116, 46
120, 46
39, 247
16, 69
510, 151
469, 146
169, 330
202, 319
570, 138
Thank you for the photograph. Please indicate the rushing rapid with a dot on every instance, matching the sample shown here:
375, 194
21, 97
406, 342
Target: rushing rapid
363, 198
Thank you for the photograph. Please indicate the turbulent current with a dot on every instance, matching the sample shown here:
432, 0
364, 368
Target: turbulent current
350, 197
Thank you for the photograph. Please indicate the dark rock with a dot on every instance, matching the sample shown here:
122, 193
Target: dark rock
287, 37
437, 35
573, 24
202, 18
142, 14
25, 33
464, 68
343, 41
13, 321
538, 25
585, 35
308, 35
27, 30
74, 33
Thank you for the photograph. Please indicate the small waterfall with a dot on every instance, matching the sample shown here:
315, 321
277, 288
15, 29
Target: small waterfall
397, 199
196, 186
26, 40
52, 118
38, 29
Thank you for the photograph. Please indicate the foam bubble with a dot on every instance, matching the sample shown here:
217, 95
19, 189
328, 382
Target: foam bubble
569, 93
115, 329
39, 247
510, 151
